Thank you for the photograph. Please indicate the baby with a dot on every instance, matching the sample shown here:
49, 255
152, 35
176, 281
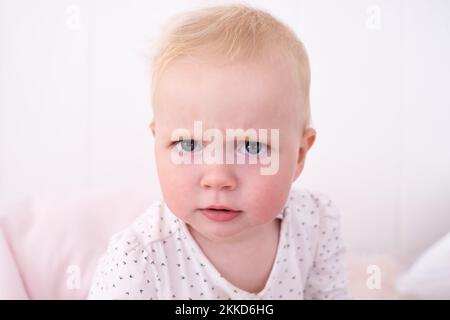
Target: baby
229, 82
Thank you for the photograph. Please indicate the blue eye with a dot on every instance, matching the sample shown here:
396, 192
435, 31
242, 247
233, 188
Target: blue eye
254, 147
251, 147
187, 145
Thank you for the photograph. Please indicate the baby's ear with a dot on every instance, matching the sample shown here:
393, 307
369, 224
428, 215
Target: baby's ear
152, 127
308, 139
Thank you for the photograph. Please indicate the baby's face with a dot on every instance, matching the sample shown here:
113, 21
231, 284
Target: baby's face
260, 94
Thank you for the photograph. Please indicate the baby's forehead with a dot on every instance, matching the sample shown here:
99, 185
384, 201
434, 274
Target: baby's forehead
245, 92
270, 64
226, 116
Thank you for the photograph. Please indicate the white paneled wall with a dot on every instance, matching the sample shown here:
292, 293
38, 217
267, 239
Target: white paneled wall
74, 94
357, 106
45, 99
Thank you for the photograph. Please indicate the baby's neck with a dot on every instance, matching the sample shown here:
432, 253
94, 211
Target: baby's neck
246, 264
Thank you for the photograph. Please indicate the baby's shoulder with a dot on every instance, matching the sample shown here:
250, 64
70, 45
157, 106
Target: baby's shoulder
136, 256
310, 210
312, 201
152, 226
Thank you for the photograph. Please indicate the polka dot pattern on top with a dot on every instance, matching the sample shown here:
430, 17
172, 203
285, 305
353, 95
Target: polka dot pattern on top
157, 258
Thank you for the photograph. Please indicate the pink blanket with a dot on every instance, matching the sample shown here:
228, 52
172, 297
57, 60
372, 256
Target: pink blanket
50, 243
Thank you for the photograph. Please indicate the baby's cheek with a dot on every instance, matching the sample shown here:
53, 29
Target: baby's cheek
266, 195
177, 185
271, 202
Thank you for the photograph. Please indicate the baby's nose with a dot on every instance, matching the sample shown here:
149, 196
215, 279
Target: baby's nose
220, 177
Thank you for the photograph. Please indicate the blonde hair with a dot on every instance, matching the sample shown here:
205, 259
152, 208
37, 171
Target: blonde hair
235, 31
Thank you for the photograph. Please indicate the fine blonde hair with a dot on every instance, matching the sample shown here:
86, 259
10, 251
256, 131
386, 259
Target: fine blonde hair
232, 32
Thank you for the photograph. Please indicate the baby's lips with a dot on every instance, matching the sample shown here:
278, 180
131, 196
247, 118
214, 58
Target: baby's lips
221, 207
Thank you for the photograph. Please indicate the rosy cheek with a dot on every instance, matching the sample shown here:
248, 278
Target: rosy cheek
264, 194
270, 204
182, 177
177, 189
175, 179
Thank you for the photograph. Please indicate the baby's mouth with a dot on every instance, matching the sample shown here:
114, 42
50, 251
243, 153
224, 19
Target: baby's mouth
224, 211
221, 209
220, 213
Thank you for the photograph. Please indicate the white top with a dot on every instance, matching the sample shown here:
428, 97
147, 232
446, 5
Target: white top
157, 258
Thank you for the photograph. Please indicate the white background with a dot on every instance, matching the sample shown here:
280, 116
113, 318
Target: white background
74, 105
